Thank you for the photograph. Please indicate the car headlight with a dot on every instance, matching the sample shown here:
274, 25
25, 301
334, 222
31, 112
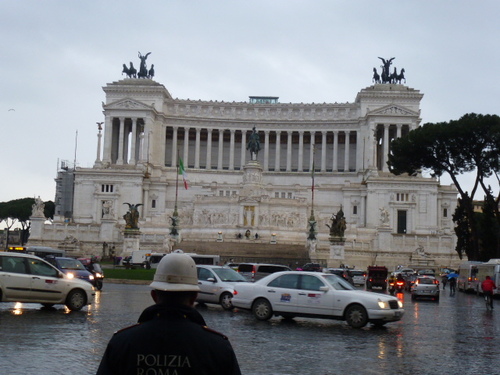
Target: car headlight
91, 277
70, 275
384, 305
400, 304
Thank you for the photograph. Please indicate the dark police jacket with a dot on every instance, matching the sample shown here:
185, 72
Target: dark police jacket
169, 340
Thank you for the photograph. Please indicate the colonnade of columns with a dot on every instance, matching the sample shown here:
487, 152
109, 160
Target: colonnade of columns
385, 134
124, 141
280, 150
225, 149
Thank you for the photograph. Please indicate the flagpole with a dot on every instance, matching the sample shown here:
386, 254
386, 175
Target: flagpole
174, 232
176, 183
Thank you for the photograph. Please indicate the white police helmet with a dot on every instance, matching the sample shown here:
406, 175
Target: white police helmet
176, 272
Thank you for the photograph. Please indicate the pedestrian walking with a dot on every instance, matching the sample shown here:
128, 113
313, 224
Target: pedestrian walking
453, 284
444, 280
171, 337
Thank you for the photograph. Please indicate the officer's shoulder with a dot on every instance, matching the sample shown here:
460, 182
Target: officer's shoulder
213, 331
126, 328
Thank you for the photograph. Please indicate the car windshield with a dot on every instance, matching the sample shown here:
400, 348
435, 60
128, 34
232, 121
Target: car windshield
70, 264
338, 283
228, 274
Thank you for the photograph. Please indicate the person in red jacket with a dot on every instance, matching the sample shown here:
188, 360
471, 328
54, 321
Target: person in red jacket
487, 286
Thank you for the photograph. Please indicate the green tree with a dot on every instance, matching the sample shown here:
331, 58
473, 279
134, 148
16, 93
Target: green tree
18, 211
470, 144
489, 230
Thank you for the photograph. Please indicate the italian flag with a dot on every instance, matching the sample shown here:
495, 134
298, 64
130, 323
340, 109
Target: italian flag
182, 171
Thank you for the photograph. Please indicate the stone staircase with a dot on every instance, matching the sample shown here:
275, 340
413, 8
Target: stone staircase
249, 251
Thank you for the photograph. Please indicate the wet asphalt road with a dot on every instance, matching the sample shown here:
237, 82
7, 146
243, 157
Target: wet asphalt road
455, 336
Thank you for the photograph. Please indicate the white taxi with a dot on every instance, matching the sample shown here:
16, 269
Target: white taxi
30, 279
316, 295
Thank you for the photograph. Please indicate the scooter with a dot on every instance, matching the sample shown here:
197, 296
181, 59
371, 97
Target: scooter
96, 270
400, 286
396, 286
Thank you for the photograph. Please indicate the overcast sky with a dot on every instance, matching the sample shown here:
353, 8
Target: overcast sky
57, 56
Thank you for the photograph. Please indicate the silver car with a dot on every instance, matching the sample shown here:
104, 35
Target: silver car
217, 285
425, 286
30, 279
316, 295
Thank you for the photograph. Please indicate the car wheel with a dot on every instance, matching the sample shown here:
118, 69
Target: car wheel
76, 300
98, 284
226, 301
262, 309
356, 316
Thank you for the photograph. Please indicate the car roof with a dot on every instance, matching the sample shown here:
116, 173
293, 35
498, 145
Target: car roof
209, 266
265, 264
23, 255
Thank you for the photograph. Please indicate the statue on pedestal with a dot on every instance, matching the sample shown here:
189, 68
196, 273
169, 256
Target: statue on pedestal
253, 144
37, 208
338, 226
132, 216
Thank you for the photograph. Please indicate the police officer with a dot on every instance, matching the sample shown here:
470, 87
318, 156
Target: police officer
171, 337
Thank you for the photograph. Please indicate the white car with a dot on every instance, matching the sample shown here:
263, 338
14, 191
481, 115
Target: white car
29, 279
217, 285
316, 295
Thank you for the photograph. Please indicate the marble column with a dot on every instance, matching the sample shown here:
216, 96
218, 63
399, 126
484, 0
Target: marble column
312, 151
174, 146
346, 150
108, 139
277, 163
385, 168
289, 152
119, 160
185, 155
323, 151
197, 149
266, 150
301, 151
335, 151
133, 142
221, 154
243, 148
209, 149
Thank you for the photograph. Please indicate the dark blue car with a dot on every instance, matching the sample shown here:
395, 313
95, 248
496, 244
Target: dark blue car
71, 267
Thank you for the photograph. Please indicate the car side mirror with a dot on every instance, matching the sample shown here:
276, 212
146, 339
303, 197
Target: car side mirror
211, 279
324, 288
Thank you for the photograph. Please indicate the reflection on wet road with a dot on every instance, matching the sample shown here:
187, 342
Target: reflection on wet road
455, 336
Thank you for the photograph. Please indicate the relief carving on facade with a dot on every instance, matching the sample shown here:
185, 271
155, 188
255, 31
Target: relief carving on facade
205, 217
107, 212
